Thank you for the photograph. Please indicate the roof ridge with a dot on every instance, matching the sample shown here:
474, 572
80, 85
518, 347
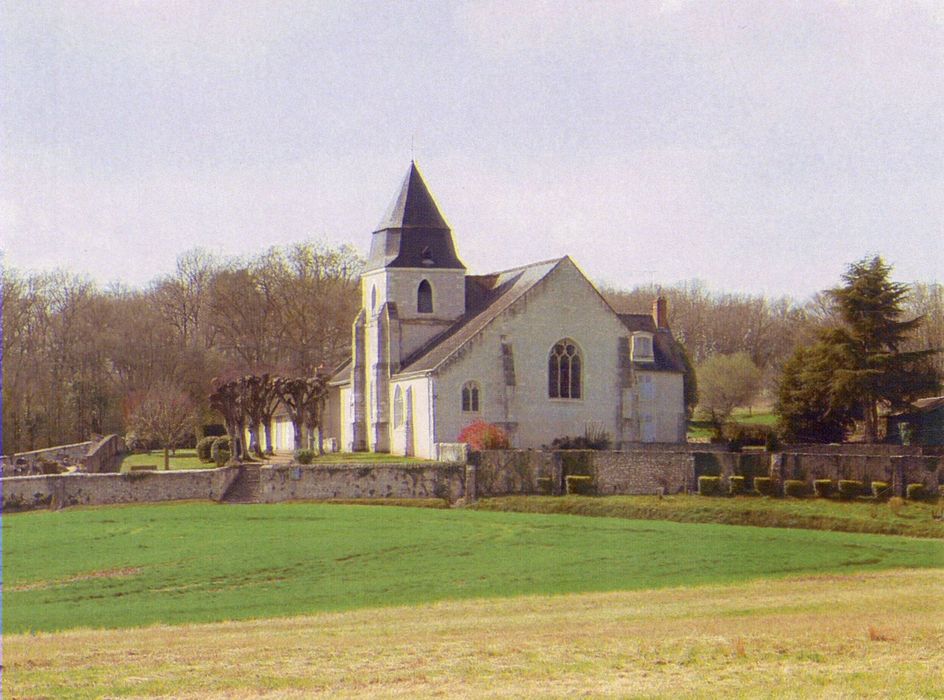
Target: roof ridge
521, 267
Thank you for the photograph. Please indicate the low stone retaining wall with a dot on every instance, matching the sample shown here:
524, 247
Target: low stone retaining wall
62, 490
488, 473
316, 482
105, 456
61, 454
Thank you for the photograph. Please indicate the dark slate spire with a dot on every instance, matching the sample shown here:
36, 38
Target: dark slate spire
413, 233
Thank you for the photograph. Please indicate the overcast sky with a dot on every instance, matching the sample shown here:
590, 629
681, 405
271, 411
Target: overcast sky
759, 147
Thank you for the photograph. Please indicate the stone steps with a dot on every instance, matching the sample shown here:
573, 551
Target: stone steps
245, 488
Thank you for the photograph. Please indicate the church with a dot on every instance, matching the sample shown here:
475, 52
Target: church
535, 350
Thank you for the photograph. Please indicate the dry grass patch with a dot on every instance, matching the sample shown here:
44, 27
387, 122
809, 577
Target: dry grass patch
861, 635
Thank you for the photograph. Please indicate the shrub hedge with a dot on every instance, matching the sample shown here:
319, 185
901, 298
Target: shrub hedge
709, 485
580, 485
304, 456
850, 488
221, 450
736, 485
916, 492
795, 488
765, 486
824, 488
881, 490
203, 448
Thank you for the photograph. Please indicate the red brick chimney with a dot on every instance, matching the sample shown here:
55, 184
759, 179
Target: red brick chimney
660, 312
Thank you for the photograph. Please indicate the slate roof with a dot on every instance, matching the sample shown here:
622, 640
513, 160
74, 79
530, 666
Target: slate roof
486, 296
413, 232
666, 352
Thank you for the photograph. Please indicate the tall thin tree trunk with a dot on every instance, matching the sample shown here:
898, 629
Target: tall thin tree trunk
268, 438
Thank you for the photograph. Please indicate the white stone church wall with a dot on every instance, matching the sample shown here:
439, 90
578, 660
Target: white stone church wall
563, 306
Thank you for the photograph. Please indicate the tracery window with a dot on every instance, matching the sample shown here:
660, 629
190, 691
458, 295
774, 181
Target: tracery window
397, 407
564, 371
470, 397
424, 298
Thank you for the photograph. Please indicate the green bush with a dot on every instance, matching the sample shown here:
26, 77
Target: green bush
916, 492
824, 488
545, 485
221, 446
881, 490
709, 485
765, 486
795, 488
203, 448
746, 435
736, 485
849, 488
579, 485
304, 456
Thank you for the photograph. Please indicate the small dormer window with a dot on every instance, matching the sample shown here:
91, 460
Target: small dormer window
426, 257
424, 298
642, 347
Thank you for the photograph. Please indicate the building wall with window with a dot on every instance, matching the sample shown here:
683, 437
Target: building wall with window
563, 306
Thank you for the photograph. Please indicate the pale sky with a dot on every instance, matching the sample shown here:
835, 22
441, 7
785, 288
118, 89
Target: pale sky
759, 147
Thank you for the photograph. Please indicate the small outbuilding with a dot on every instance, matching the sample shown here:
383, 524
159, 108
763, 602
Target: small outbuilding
922, 424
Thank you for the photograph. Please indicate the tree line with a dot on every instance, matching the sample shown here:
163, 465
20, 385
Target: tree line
77, 358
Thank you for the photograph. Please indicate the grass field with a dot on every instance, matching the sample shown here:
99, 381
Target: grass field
838, 636
183, 459
911, 518
701, 430
199, 562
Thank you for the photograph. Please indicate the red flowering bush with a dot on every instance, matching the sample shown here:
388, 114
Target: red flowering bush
484, 436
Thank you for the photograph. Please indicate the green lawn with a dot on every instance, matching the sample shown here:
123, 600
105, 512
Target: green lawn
132, 566
183, 459
701, 430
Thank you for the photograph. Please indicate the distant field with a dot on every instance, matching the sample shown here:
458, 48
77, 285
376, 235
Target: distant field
199, 562
839, 636
183, 459
701, 429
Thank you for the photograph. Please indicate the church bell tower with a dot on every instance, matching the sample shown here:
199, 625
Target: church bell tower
413, 289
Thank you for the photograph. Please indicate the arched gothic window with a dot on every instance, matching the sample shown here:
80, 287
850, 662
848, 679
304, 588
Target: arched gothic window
424, 298
564, 371
470, 397
397, 407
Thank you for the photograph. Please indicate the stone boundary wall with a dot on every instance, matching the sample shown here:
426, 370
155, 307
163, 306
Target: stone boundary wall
105, 456
641, 473
638, 472
77, 489
63, 454
368, 480
852, 448
489, 473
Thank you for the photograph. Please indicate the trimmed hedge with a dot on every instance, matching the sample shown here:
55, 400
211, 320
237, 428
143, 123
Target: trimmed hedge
736, 485
881, 490
580, 485
824, 488
221, 450
709, 485
304, 456
204, 445
766, 486
916, 492
795, 488
849, 488
545, 485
